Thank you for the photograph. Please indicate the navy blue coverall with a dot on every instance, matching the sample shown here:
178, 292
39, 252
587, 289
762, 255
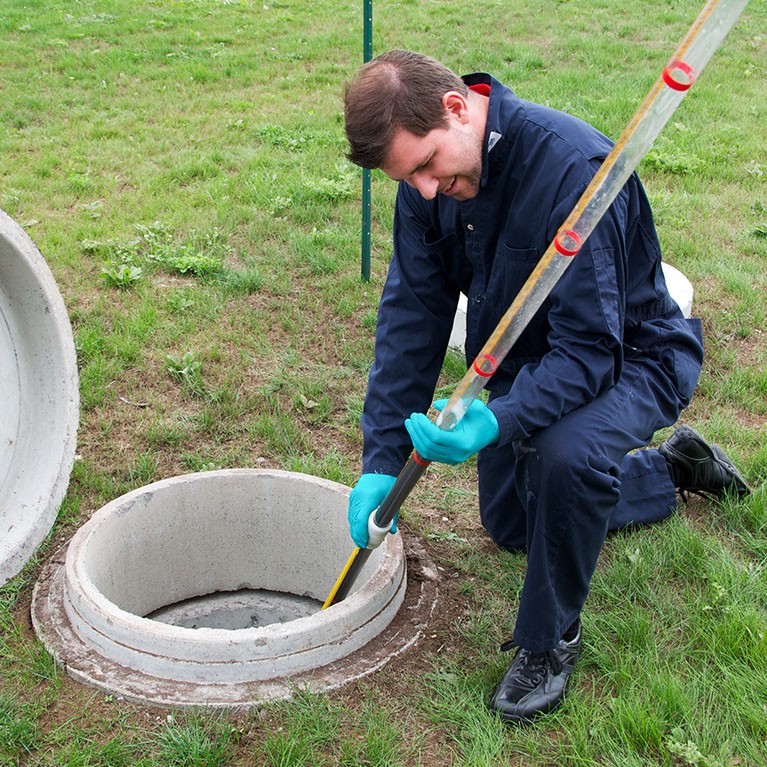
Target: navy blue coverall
607, 360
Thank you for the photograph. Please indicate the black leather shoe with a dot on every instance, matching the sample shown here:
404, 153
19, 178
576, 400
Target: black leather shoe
535, 682
697, 467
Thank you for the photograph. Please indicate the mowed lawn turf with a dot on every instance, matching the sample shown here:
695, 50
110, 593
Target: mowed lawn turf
181, 166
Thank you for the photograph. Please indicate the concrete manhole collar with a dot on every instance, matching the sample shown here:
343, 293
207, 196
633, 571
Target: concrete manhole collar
115, 607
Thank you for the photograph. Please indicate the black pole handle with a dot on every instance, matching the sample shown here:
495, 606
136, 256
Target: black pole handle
411, 472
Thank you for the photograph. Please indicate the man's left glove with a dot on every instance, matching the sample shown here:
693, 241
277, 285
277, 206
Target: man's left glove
368, 494
477, 429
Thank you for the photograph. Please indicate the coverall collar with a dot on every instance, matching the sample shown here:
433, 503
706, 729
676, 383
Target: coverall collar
494, 138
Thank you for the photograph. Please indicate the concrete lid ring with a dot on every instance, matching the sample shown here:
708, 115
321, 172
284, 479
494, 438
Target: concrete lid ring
145, 635
40, 413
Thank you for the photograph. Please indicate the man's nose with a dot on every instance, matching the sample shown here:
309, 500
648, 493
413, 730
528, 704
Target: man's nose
426, 184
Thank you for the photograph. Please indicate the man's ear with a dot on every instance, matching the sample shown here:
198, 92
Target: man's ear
456, 105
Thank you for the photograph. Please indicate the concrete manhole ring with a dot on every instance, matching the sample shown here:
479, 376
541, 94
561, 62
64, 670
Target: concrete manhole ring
227, 531
40, 409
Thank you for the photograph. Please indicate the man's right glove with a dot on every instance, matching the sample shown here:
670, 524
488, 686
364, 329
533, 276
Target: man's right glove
368, 494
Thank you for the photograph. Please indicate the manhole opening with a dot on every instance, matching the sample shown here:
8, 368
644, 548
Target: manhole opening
241, 609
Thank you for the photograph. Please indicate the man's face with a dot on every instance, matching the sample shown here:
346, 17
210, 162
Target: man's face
445, 161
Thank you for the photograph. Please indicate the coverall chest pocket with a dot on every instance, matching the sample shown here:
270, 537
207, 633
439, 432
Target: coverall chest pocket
434, 242
448, 250
511, 268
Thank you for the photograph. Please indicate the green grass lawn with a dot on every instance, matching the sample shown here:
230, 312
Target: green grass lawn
180, 164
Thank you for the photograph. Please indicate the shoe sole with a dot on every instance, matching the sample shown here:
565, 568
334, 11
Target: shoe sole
515, 719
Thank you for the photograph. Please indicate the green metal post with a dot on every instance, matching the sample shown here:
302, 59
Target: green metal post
367, 54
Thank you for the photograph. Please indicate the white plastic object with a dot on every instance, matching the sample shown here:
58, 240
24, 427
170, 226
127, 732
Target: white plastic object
376, 534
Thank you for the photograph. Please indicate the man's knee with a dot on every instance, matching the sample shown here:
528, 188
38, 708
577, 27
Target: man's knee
554, 451
566, 463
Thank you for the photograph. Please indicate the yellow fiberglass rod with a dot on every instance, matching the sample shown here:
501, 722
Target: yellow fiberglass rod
704, 37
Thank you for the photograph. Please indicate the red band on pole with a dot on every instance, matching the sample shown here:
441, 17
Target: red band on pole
674, 68
486, 372
575, 242
420, 461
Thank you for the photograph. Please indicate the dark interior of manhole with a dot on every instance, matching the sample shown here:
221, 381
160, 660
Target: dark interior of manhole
242, 609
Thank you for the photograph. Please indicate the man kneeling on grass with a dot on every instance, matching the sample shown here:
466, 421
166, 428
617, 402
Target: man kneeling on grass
485, 180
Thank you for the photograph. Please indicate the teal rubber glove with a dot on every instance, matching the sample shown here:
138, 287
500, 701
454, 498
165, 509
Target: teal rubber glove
477, 429
366, 496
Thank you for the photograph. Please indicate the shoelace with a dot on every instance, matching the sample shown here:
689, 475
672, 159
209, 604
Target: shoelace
534, 664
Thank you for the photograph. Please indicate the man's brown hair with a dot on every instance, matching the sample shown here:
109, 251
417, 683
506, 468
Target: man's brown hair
398, 89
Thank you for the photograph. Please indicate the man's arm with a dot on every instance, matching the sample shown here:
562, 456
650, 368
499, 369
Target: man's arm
415, 318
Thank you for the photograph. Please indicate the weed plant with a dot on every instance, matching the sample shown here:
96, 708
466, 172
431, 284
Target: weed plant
181, 166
